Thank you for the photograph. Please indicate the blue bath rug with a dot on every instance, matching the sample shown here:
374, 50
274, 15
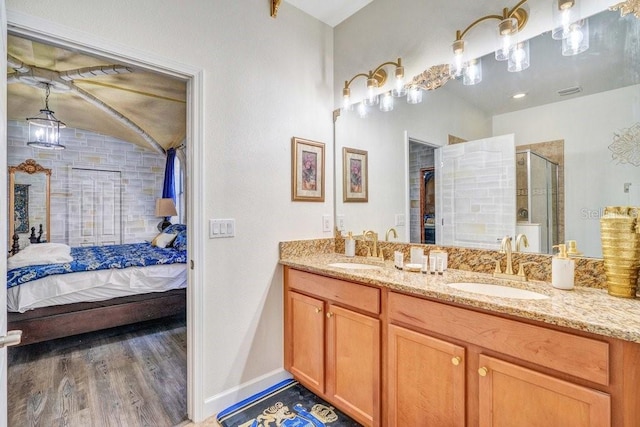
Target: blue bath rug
286, 404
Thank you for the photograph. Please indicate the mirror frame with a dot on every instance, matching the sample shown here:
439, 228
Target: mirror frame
31, 167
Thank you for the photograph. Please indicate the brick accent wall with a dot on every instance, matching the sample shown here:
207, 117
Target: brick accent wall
142, 173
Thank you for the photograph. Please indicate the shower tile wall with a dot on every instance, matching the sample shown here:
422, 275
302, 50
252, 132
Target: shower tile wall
142, 174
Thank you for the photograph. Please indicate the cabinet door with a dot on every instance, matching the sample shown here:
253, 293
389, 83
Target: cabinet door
353, 363
511, 395
426, 380
304, 342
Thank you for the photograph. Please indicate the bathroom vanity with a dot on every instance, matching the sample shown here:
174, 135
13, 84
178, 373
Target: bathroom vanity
394, 348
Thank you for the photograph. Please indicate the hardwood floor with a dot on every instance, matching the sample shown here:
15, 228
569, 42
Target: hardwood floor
130, 376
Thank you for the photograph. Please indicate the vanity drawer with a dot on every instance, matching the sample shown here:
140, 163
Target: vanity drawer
575, 355
351, 294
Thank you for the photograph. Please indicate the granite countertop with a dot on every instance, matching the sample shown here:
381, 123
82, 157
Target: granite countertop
582, 308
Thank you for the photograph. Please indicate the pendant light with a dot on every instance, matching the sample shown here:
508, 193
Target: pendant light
44, 129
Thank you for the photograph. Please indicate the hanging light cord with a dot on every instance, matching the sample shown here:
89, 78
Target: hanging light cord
46, 97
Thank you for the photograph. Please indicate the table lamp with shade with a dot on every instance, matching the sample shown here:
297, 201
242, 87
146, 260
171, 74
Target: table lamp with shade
165, 208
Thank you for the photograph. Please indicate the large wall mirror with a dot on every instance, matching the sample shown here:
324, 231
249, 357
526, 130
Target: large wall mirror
29, 202
578, 125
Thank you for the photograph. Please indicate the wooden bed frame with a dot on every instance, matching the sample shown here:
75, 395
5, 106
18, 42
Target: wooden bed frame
48, 323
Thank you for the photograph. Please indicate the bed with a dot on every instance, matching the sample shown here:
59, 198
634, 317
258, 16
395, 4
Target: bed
86, 289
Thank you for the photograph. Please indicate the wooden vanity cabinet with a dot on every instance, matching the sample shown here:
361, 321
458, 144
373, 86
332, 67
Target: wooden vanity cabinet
332, 341
510, 395
426, 380
495, 371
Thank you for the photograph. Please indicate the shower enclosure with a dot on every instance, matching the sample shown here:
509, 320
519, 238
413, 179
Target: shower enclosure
537, 200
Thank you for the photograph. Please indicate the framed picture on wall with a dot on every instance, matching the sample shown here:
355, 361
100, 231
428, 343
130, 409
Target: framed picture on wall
21, 208
307, 170
355, 182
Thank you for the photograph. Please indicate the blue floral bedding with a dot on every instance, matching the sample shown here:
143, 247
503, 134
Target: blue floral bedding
92, 258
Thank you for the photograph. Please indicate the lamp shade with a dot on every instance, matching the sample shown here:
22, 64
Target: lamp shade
165, 207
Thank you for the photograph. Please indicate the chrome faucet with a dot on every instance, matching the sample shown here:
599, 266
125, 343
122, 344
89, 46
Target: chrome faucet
392, 231
521, 239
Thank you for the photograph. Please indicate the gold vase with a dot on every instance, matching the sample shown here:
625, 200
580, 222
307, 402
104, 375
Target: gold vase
620, 233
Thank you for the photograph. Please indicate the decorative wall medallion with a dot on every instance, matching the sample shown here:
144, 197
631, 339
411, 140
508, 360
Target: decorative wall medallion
628, 6
432, 78
626, 145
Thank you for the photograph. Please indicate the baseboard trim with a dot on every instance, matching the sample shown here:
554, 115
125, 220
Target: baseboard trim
221, 401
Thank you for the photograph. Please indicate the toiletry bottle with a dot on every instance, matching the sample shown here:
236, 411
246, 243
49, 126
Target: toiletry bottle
562, 269
350, 245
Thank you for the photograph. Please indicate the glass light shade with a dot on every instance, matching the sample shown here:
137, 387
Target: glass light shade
519, 57
44, 131
414, 95
507, 30
564, 13
386, 102
457, 66
363, 111
399, 89
577, 39
372, 97
346, 99
472, 72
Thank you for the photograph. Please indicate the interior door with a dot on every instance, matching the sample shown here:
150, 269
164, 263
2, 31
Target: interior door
3, 208
95, 214
476, 192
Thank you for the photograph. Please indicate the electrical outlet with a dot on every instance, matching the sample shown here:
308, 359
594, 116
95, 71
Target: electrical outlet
626, 187
340, 222
326, 223
400, 219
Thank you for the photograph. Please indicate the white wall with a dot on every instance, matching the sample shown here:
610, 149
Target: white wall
593, 179
266, 80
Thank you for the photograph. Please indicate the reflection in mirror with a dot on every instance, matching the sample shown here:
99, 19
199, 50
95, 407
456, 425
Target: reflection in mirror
29, 203
579, 113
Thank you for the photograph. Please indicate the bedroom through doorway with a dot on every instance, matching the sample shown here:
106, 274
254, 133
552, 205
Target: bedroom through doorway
108, 179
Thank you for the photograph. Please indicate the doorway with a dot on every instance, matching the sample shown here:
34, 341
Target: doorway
421, 159
428, 205
25, 26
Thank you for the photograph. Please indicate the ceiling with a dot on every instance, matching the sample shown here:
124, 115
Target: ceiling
135, 105
331, 12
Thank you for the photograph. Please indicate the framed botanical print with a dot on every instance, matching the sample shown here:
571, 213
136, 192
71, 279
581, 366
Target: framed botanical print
355, 182
307, 170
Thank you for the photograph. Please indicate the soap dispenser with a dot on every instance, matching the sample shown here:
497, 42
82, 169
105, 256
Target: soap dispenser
562, 269
350, 245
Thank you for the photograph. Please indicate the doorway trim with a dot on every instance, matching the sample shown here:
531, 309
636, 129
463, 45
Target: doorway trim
51, 33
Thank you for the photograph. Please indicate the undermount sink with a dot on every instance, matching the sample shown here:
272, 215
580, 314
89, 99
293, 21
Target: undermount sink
354, 266
497, 291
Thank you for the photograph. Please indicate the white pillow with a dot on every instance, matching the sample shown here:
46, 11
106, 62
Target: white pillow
163, 240
39, 254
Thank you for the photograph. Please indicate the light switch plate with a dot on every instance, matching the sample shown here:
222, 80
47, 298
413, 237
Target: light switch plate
222, 228
340, 222
400, 219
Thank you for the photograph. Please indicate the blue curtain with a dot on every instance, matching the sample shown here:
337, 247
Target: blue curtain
169, 188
